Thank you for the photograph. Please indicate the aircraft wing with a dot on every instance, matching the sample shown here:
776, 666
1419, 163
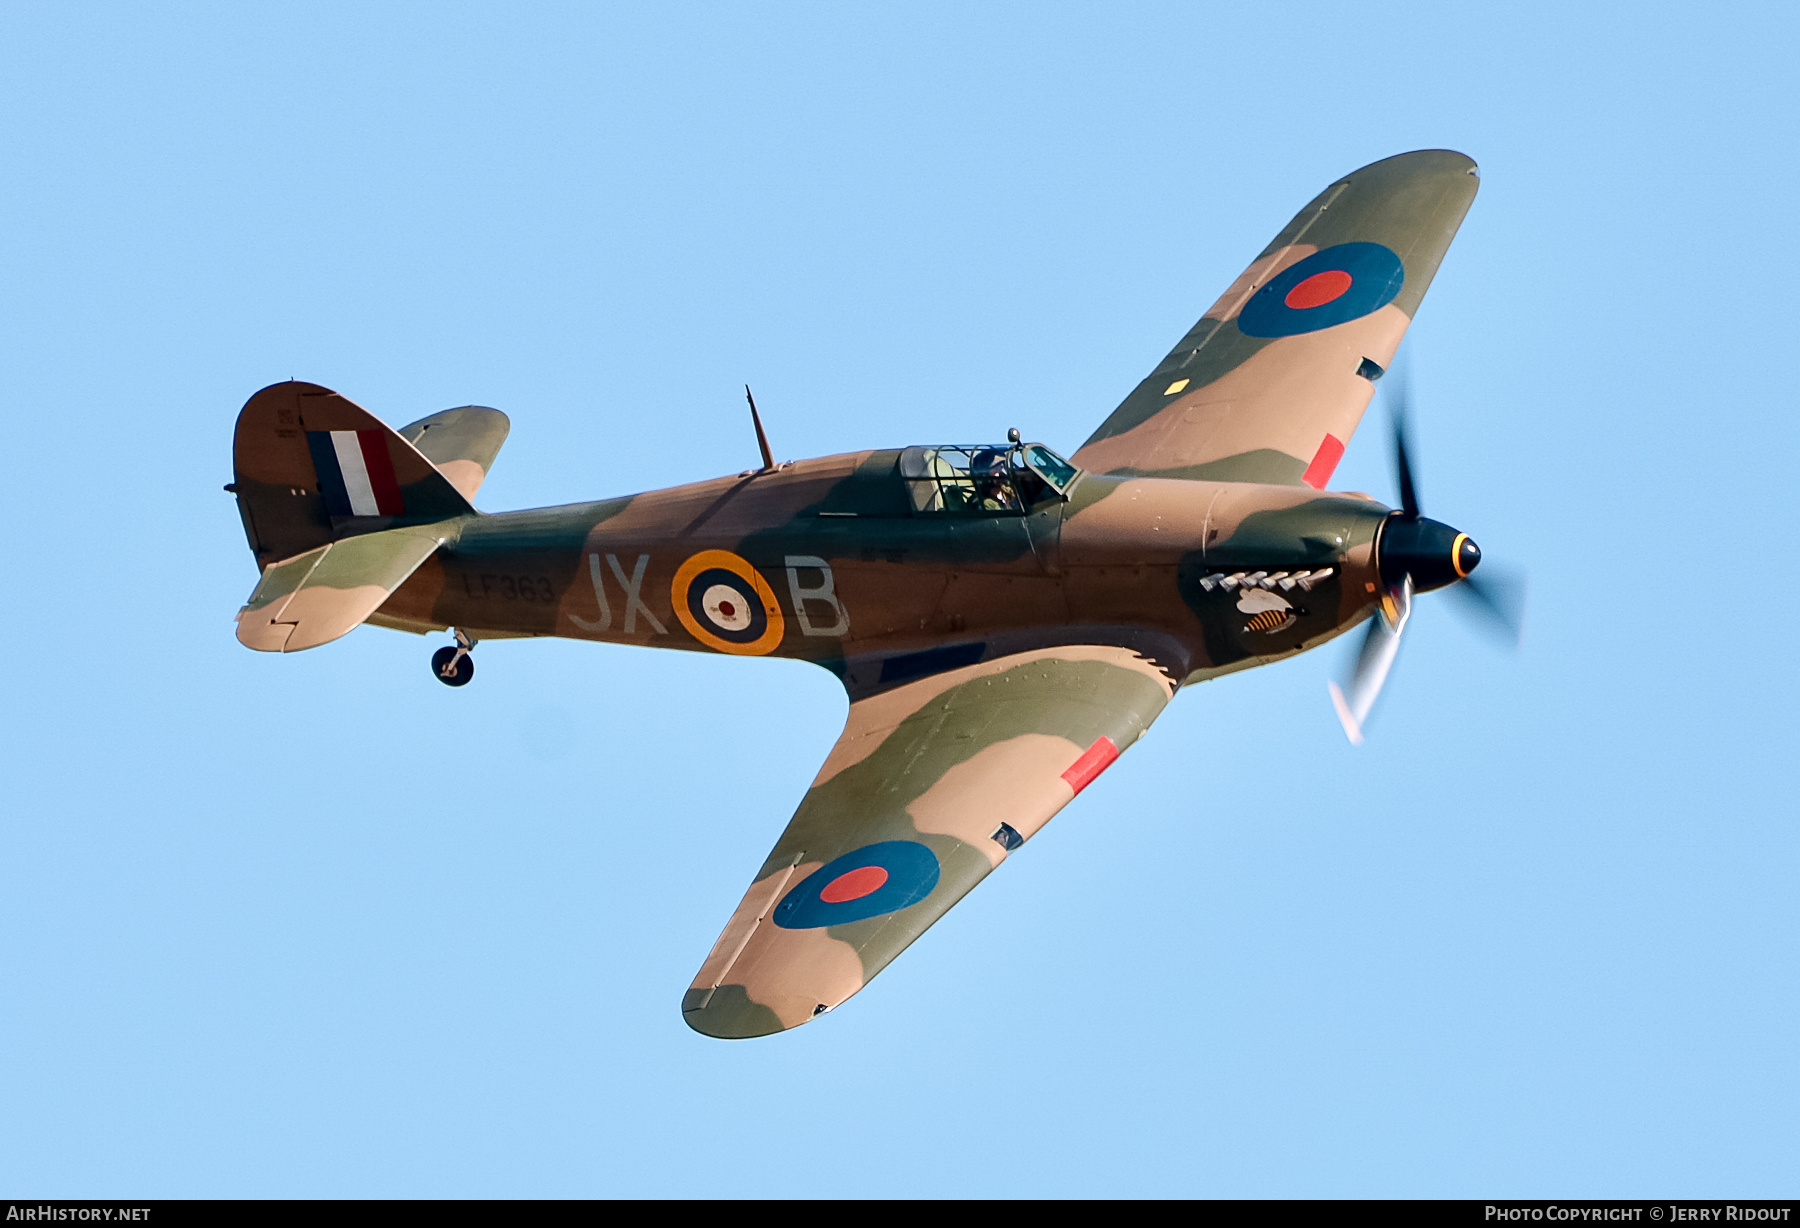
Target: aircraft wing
1270, 384
930, 787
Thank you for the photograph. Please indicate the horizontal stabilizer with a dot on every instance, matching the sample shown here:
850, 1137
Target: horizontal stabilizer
322, 594
462, 443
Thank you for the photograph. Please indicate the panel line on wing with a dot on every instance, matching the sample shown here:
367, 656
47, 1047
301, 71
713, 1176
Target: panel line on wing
289, 598
780, 882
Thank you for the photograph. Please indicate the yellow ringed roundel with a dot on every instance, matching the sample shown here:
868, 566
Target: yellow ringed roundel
725, 604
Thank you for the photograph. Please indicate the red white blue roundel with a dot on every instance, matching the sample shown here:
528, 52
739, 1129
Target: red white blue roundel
1333, 286
726, 604
872, 881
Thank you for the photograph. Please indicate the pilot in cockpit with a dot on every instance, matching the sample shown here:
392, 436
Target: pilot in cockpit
993, 481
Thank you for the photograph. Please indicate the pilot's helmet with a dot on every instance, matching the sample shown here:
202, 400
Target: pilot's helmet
989, 462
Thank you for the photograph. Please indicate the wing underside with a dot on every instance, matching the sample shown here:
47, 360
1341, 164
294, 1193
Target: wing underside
1270, 384
927, 791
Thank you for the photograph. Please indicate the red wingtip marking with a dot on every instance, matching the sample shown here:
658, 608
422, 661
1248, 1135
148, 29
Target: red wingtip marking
1319, 289
1094, 760
854, 885
1324, 463
381, 473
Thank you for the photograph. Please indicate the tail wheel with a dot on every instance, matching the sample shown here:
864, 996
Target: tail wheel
452, 666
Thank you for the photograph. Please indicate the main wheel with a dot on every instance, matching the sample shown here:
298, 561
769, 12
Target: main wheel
465, 668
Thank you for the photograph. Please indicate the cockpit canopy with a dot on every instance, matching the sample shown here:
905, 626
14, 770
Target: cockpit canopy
983, 479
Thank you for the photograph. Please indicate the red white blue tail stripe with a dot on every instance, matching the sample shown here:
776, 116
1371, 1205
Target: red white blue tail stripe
356, 474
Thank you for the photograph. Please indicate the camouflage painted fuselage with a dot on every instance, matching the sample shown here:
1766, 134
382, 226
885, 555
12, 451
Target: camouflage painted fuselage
880, 595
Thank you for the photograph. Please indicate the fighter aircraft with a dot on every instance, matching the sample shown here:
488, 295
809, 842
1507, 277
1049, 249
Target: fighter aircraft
1006, 621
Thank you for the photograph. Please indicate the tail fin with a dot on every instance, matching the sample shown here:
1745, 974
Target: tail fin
313, 467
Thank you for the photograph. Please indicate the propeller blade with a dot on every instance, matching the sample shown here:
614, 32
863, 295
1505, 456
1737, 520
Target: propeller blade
1409, 495
1495, 600
1380, 643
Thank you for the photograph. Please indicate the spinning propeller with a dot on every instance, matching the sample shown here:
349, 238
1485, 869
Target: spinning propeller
1415, 554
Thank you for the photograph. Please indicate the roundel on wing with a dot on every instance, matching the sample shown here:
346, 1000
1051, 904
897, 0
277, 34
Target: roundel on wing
1333, 286
872, 881
726, 604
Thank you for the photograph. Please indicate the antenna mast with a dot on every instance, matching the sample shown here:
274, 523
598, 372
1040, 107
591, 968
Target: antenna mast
762, 440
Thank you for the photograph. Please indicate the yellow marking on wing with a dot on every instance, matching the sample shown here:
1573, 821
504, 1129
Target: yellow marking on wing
1174, 388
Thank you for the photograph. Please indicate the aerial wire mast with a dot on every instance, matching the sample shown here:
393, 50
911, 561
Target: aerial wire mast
762, 440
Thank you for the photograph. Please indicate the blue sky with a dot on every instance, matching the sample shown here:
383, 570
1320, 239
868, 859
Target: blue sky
319, 926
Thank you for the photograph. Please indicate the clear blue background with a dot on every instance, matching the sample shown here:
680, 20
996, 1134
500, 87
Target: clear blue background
318, 925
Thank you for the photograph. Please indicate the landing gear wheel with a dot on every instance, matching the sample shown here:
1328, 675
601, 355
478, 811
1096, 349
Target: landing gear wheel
452, 666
